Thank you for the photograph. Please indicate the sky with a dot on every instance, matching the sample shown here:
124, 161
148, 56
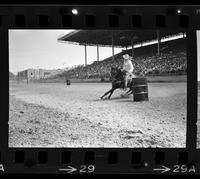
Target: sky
40, 49
198, 53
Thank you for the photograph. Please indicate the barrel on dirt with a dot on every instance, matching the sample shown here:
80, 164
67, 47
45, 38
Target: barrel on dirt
140, 89
68, 82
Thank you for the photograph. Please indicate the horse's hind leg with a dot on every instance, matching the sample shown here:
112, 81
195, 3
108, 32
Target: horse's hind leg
111, 93
106, 94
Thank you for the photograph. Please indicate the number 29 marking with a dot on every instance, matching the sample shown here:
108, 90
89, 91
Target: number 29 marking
87, 169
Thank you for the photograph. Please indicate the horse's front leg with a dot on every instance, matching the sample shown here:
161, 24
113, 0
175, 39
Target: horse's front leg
131, 92
128, 91
106, 94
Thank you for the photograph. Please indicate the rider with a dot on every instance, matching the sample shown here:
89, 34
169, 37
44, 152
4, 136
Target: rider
127, 68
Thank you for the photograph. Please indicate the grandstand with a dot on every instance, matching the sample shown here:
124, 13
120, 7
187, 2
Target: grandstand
172, 60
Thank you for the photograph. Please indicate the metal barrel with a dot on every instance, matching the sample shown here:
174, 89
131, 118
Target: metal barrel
140, 89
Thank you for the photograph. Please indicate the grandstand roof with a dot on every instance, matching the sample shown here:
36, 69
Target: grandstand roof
122, 38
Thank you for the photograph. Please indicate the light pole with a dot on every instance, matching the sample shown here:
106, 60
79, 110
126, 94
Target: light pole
18, 77
38, 72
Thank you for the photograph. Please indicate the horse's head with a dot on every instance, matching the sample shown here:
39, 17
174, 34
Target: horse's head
113, 71
116, 73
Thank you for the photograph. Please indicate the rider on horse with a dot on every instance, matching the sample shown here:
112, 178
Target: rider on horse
127, 69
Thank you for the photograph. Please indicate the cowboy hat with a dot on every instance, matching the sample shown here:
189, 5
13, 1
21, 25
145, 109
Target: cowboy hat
126, 56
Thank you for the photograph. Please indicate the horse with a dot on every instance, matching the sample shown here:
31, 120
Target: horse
117, 79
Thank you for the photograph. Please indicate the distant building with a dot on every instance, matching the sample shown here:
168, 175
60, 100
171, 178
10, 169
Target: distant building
36, 74
11, 76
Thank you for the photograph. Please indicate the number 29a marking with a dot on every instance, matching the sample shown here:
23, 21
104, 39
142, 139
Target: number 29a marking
183, 169
1, 168
87, 169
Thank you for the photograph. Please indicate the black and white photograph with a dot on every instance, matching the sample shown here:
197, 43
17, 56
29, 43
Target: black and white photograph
98, 88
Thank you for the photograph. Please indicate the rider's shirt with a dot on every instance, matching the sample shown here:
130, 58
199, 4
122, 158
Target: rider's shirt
128, 66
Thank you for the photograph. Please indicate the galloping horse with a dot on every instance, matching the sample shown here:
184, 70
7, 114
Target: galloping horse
117, 78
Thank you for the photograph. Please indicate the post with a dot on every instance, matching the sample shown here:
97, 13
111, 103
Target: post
27, 76
34, 75
113, 58
39, 76
158, 38
97, 52
85, 55
18, 77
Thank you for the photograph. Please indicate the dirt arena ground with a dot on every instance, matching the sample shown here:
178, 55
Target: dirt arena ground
57, 115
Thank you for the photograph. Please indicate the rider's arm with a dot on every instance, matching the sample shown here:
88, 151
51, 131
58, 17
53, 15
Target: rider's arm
123, 68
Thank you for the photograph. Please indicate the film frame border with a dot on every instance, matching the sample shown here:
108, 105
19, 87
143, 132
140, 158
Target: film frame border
114, 17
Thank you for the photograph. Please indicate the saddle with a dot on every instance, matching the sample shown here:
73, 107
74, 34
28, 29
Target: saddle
121, 77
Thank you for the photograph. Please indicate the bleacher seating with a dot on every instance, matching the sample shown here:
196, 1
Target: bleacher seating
172, 60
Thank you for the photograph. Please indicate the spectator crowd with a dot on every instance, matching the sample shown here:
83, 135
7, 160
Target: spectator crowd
146, 61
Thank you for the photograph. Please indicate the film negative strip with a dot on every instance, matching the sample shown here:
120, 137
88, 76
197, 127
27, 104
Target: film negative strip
99, 89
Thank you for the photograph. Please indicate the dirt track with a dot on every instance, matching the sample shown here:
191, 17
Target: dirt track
56, 115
